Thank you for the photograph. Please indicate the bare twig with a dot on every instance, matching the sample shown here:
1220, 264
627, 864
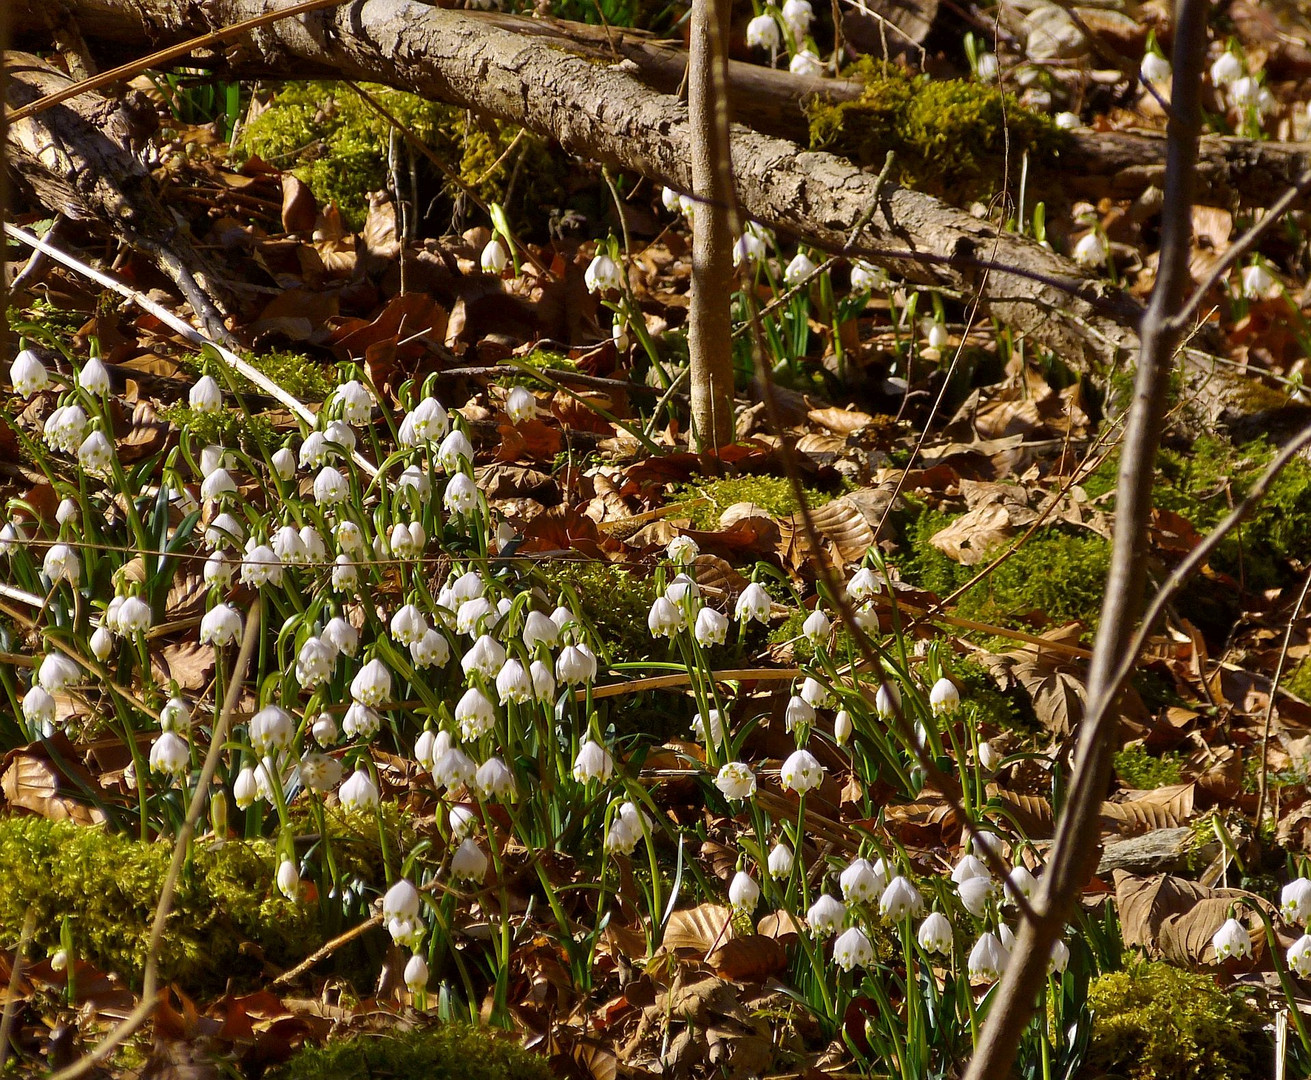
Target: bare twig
181, 847
163, 56
185, 329
1077, 830
1262, 789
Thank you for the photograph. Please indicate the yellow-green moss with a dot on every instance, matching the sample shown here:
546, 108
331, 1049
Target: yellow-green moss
338, 145
448, 1052
1058, 572
616, 602
708, 499
1156, 1022
1138, 769
951, 137
226, 427
107, 885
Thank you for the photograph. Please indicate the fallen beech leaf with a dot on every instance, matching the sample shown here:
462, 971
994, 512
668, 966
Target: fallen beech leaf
749, 959
1174, 918
46, 778
702, 928
1164, 808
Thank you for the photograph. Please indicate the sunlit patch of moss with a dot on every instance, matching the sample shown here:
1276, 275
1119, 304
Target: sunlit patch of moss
1058, 572
448, 1052
1138, 769
107, 885
338, 145
1202, 481
951, 137
1299, 682
707, 499
1156, 1022
615, 601
226, 427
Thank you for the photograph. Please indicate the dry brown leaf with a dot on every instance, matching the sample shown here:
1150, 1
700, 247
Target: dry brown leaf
1173, 918
969, 538
703, 928
188, 663
749, 959
841, 421
1058, 696
1032, 813
46, 778
1164, 808
842, 524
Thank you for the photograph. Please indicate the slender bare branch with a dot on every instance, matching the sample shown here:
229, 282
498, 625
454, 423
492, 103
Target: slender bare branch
1075, 844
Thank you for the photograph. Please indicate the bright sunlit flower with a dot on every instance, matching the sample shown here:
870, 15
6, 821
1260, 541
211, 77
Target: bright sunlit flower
1226, 69
842, 727
900, 899
39, 708
56, 672
1256, 281
96, 454
826, 915
1155, 69
520, 405
853, 949
806, 63
455, 452
798, 15
494, 258
331, 488
94, 377
475, 713
799, 713
800, 268
743, 893
170, 755
61, 564
28, 375
1295, 901
801, 772
935, 934
431, 650
220, 625
711, 627
494, 780
603, 275
261, 566
358, 792
205, 396
975, 893
318, 772
575, 665
736, 781
887, 702
862, 881
592, 763
944, 698
780, 861
709, 727
372, 684
469, 863
754, 603
665, 619
1232, 939
682, 551
1299, 956
988, 958
762, 33
1091, 250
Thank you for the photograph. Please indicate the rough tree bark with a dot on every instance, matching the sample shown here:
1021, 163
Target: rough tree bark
710, 318
605, 113
79, 160
1232, 172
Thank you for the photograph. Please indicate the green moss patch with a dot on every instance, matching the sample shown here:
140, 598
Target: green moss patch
448, 1052
338, 145
1058, 572
951, 137
708, 499
1156, 1022
107, 885
1138, 769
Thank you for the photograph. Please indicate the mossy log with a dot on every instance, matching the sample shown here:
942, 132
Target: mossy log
604, 112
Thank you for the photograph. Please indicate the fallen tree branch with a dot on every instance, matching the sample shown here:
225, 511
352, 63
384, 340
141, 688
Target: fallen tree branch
607, 114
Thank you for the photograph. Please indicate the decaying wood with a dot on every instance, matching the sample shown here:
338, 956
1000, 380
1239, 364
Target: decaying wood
604, 112
1232, 172
79, 159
